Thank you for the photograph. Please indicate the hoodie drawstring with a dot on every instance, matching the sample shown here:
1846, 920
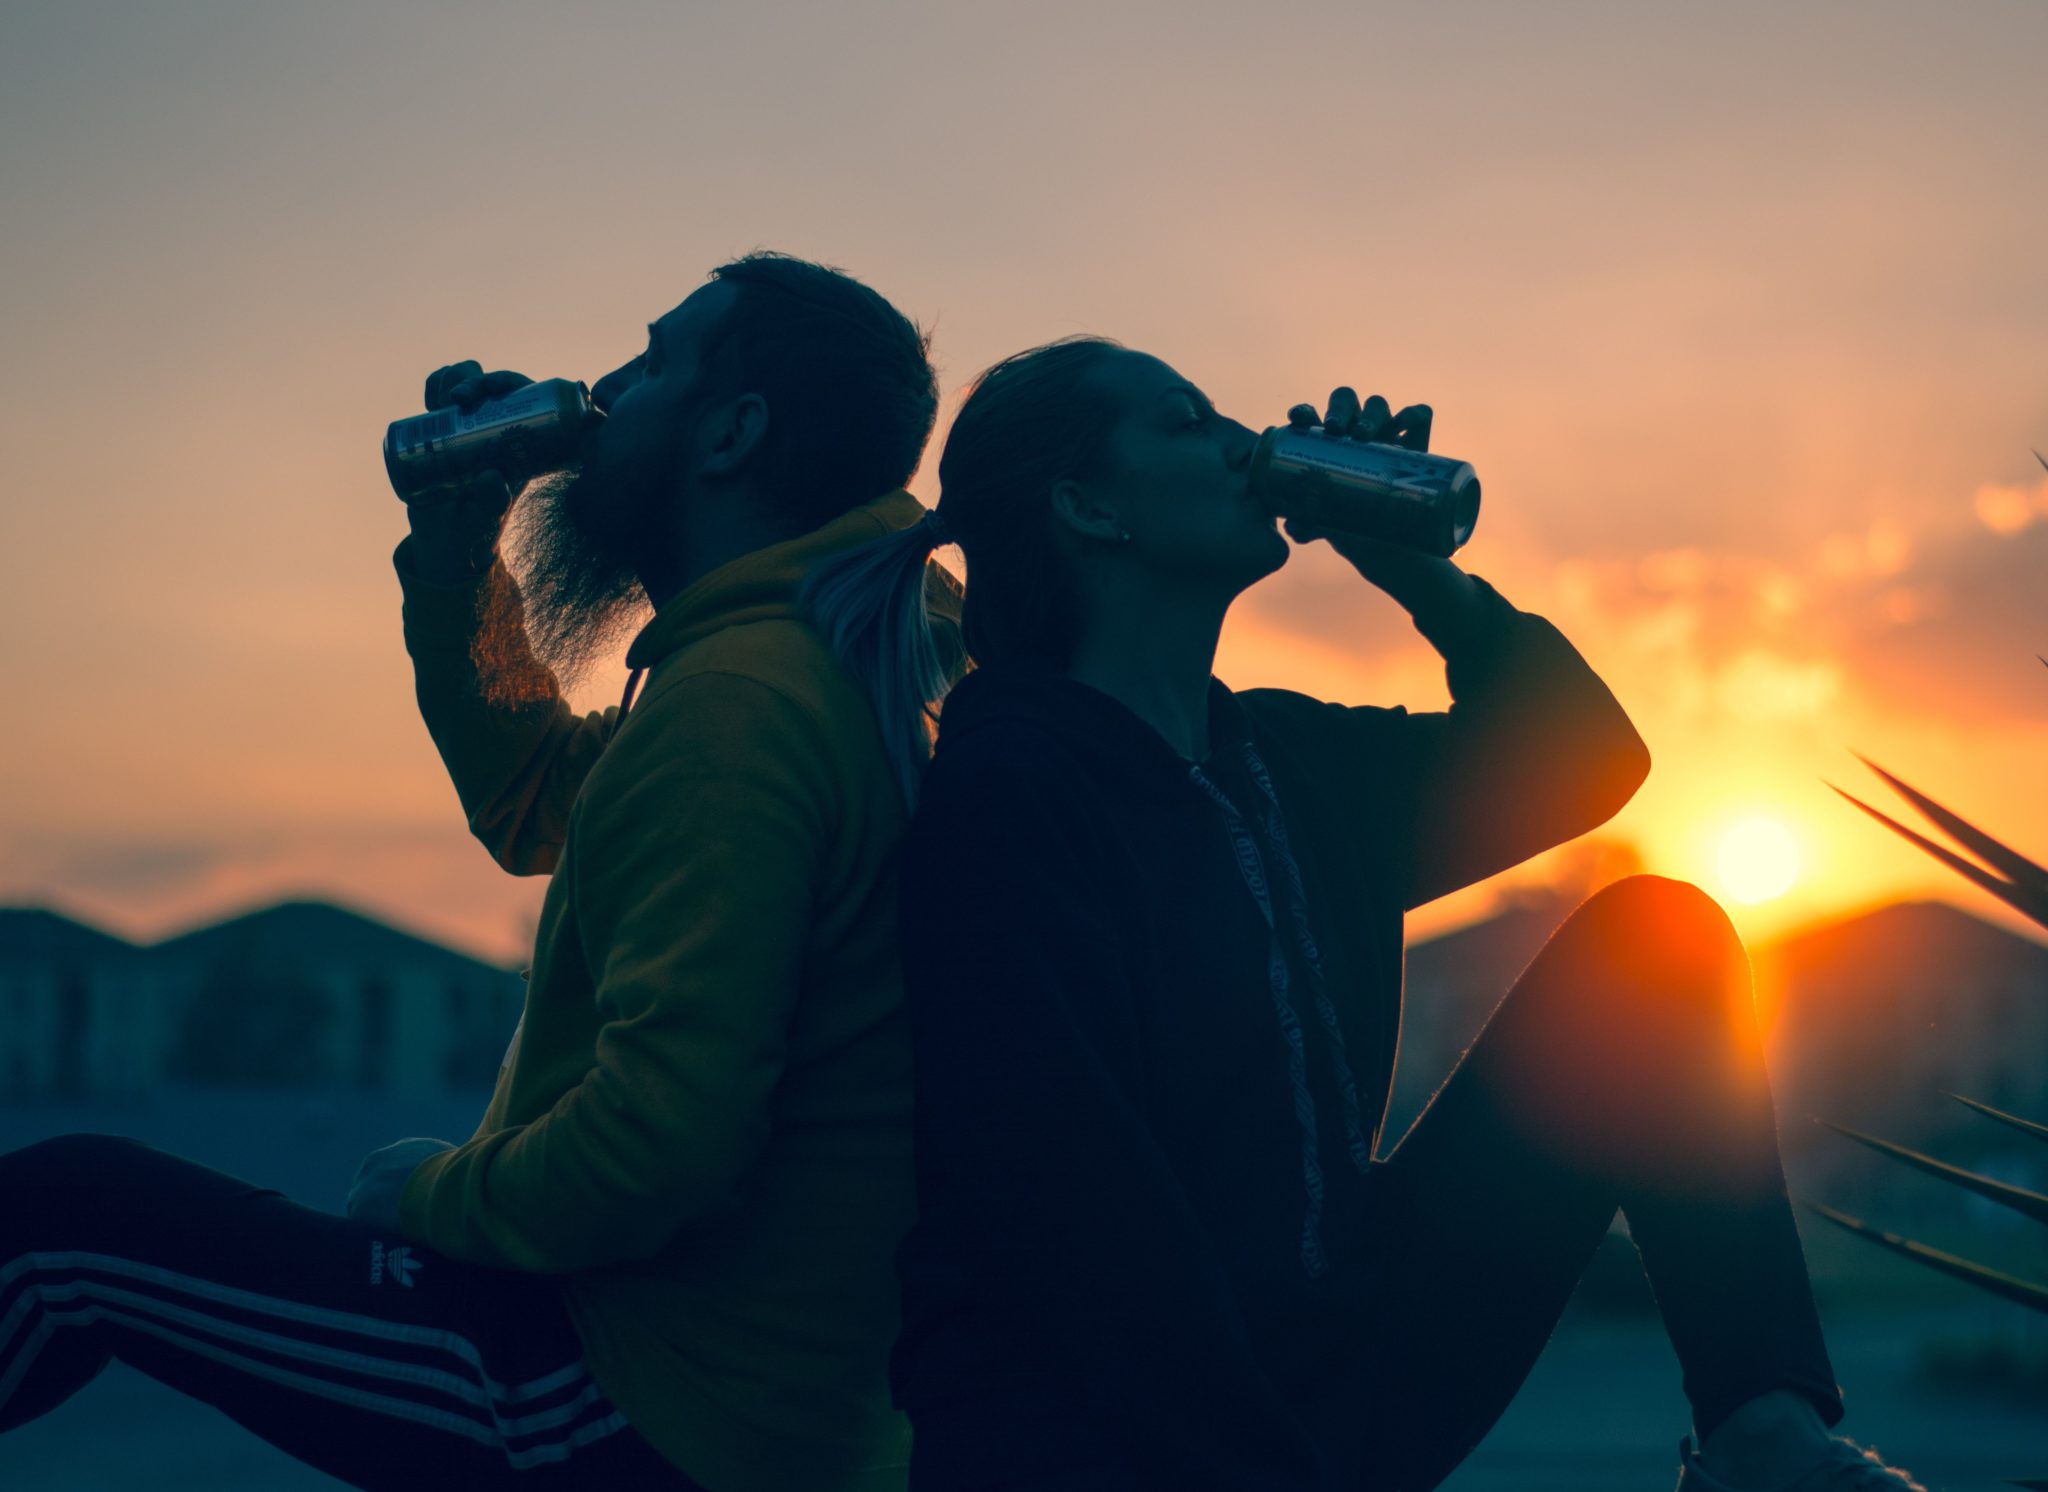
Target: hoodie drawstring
1251, 864
633, 681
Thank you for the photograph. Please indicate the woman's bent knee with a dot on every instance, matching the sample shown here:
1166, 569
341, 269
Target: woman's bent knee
1647, 951
1658, 921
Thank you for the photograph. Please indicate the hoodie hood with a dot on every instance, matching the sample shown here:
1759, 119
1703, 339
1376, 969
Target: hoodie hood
763, 586
1100, 729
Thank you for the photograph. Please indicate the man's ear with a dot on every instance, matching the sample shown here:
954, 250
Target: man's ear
736, 431
1077, 508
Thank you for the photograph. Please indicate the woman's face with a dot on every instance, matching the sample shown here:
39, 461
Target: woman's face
1173, 473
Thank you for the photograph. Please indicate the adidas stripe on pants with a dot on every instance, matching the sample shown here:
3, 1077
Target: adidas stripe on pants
378, 1361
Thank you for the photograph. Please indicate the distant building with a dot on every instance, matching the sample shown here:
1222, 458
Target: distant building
81, 1013
301, 995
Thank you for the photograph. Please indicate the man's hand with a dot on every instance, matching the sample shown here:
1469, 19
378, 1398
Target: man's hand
455, 530
380, 1180
1422, 583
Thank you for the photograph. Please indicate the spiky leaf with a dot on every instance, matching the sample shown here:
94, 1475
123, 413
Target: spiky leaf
2015, 867
2004, 890
2018, 1198
2010, 1287
2024, 1126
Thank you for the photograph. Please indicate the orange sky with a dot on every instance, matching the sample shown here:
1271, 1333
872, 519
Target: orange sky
1737, 309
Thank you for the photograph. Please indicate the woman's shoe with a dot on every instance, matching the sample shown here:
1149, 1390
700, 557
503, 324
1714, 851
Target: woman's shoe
1844, 1467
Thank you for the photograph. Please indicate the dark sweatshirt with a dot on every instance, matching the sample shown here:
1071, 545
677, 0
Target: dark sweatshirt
1115, 1263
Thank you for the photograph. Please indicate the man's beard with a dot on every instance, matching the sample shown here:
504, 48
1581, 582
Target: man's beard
572, 549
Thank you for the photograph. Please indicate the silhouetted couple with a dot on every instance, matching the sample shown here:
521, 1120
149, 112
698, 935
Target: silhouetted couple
1150, 976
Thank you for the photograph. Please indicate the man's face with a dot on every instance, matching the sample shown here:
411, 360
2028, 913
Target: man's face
643, 454
583, 538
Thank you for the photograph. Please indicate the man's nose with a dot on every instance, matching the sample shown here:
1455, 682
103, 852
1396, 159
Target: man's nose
613, 384
1242, 443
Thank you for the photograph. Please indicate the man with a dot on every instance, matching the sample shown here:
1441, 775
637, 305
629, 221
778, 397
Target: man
664, 1259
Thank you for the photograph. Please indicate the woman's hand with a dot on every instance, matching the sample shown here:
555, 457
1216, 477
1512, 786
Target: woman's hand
1372, 421
1423, 584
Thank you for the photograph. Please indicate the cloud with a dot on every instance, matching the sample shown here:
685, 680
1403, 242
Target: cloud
1940, 615
2007, 509
1960, 635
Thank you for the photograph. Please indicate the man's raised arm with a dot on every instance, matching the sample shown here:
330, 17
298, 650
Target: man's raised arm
515, 751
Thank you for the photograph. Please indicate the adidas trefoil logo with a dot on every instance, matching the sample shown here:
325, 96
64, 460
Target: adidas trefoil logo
397, 1262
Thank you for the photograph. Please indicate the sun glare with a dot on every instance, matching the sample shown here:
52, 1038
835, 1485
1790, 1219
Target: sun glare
1759, 860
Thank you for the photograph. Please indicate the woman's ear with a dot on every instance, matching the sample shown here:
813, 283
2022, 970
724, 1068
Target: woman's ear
1081, 511
737, 431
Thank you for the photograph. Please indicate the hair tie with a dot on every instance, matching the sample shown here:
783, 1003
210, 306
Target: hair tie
937, 528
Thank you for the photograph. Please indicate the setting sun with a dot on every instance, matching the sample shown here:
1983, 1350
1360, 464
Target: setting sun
1758, 860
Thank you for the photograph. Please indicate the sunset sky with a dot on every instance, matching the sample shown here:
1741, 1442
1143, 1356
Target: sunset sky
1739, 310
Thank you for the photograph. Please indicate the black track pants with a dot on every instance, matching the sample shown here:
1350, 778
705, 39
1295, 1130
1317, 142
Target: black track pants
378, 1361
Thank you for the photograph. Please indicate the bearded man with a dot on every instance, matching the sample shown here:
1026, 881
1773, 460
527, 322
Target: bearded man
664, 1259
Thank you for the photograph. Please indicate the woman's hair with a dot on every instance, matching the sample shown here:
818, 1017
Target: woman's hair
1030, 422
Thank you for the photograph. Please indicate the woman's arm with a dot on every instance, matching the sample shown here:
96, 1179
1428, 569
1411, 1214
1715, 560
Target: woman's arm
1034, 1151
1534, 751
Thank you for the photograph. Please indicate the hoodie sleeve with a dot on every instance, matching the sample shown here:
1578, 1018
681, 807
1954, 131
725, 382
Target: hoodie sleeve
696, 861
1534, 751
1033, 1147
515, 750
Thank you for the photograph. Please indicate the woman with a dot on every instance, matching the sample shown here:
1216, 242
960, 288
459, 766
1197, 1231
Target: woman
1152, 941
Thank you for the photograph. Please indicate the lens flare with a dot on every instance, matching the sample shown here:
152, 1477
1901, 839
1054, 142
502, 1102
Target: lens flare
1759, 860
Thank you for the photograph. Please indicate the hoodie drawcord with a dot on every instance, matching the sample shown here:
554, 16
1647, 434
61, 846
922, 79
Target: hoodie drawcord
633, 681
1251, 864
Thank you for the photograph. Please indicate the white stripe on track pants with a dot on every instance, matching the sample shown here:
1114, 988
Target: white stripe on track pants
378, 1361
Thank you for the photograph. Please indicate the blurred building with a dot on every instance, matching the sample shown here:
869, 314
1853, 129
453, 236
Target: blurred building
301, 995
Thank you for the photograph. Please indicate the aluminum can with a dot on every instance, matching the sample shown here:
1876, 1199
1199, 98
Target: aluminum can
536, 429
1389, 492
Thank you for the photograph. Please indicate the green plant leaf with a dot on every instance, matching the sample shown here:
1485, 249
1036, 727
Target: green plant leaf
2018, 1198
2024, 1126
2011, 1287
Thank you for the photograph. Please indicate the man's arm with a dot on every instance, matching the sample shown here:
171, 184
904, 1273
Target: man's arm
515, 751
695, 869
1031, 1132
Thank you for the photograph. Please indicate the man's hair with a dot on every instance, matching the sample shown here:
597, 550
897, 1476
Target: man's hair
848, 379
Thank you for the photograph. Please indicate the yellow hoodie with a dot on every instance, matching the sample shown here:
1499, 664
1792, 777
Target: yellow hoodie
704, 1118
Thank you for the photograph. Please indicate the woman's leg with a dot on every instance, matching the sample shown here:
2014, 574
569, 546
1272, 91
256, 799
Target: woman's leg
1623, 1069
371, 1358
